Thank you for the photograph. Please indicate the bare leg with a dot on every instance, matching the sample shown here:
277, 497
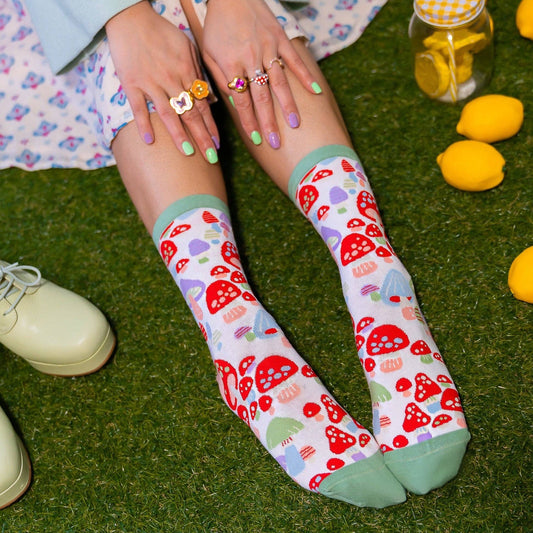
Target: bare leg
157, 175
424, 439
276, 395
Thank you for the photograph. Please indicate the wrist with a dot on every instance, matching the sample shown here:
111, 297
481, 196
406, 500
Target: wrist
129, 13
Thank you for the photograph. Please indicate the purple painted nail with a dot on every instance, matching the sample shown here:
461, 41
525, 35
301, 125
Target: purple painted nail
293, 120
216, 142
273, 139
148, 139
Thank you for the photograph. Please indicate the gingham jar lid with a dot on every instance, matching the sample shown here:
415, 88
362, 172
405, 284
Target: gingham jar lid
448, 13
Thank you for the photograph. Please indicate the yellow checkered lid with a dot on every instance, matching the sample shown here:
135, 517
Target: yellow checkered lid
448, 13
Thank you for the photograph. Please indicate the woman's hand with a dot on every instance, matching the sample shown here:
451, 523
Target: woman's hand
154, 61
240, 38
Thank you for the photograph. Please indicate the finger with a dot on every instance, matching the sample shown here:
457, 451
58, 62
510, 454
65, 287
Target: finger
209, 121
247, 117
279, 84
173, 123
264, 108
203, 105
241, 102
199, 120
295, 63
141, 115
194, 122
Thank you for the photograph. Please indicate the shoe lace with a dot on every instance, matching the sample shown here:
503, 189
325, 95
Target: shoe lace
9, 275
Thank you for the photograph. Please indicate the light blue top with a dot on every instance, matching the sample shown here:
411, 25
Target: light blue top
68, 28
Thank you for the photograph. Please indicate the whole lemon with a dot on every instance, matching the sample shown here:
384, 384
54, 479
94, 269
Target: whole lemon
491, 118
520, 277
524, 18
472, 165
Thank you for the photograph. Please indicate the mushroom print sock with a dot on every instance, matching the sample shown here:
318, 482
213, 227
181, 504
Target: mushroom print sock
417, 416
261, 377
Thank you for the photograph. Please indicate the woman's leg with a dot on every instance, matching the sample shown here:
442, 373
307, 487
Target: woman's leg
181, 200
418, 419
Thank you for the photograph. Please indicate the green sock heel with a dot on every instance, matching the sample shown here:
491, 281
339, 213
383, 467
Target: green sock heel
430, 464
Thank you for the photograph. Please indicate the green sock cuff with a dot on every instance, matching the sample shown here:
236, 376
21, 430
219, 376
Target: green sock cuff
184, 205
316, 156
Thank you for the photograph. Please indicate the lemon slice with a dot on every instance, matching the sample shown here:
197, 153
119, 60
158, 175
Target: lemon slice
432, 73
464, 62
463, 40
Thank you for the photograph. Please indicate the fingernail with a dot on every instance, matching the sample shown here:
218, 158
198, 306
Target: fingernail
187, 148
293, 120
211, 155
148, 139
216, 142
316, 88
273, 139
230, 98
256, 137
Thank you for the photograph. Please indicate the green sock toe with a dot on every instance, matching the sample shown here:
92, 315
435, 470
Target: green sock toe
430, 464
366, 483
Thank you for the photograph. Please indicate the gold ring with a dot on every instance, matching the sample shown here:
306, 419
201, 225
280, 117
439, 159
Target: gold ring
238, 84
277, 60
199, 89
181, 103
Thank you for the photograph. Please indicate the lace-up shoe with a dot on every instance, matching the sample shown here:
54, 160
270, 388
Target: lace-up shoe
57, 331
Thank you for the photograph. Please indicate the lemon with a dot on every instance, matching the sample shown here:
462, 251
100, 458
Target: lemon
491, 118
524, 18
472, 165
520, 277
432, 73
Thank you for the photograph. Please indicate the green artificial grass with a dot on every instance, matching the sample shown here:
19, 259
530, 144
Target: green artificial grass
147, 445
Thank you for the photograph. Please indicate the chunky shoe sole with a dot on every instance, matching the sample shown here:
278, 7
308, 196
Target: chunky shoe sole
81, 368
21, 484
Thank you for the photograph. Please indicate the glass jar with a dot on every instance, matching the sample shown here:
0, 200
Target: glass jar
452, 42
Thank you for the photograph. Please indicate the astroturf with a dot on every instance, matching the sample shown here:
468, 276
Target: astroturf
147, 444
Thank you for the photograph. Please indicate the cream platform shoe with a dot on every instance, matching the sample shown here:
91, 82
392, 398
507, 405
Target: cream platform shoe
54, 329
15, 467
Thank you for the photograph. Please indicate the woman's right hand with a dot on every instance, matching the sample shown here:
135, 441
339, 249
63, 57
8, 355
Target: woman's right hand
241, 38
155, 61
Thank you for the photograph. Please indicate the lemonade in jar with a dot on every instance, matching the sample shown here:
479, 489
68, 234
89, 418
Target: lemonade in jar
452, 42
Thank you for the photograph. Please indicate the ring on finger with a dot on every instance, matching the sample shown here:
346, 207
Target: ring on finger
261, 78
277, 60
238, 84
185, 100
181, 103
199, 89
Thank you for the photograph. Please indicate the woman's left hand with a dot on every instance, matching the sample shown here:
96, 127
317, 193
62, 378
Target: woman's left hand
241, 39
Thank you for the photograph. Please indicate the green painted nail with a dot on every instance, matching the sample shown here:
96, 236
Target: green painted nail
230, 98
187, 148
256, 137
211, 155
316, 87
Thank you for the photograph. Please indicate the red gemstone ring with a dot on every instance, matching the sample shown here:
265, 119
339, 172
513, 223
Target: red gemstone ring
238, 84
